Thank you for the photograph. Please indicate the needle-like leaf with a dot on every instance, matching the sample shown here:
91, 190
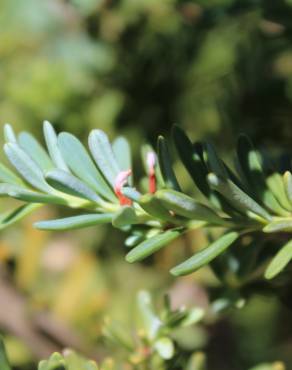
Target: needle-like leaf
283, 225
186, 206
287, 179
214, 163
251, 169
28, 169
276, 185
280, 261
13, 216
74, 222
191, 160
192, 156
69, 184
237, 197
33, 148
167, 172
9, 134
29, 196
206, 255
122, 152
52, 145
82, 166
103, 155
151, 245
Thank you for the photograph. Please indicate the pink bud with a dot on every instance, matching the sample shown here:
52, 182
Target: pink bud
120, 181
151, 162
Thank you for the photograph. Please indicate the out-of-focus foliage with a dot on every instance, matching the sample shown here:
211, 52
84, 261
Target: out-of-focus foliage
217, 67
204, 64
157, 345
70, 360
159, 338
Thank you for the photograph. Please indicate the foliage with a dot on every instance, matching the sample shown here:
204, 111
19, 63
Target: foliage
255, 201
208, 65
154, 345
69, 360
217, 68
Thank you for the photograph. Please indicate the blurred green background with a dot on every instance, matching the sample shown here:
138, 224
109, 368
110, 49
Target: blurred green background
136, 67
